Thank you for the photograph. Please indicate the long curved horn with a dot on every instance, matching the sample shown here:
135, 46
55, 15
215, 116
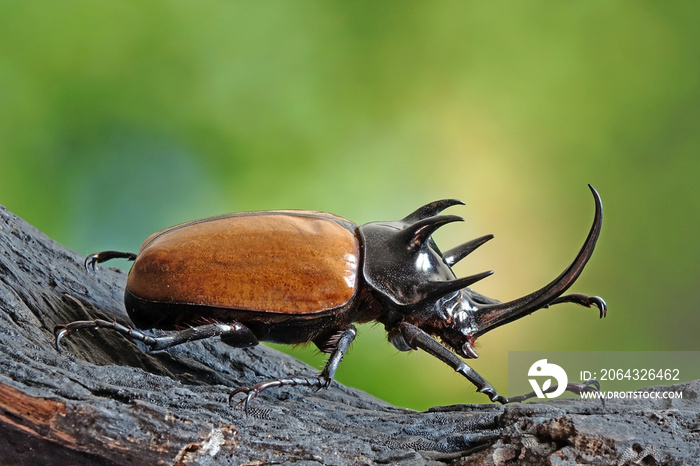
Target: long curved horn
492, 316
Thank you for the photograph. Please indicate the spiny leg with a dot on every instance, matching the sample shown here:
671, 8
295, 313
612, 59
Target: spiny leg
418, 339
234, 333
338, 346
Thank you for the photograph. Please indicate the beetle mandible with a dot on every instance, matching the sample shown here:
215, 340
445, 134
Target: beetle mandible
295, 276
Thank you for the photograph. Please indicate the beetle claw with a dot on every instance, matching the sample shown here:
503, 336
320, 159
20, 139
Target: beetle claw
600, 304
92, 260
59, 332
241, 402
493, 395
251, 394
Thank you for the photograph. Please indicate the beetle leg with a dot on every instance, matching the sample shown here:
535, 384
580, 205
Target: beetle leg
93, 259
418, 339
233, 334
590, 385
63, 330
583, 300
340, 343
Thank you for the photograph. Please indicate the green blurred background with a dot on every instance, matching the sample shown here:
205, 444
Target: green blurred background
121, 118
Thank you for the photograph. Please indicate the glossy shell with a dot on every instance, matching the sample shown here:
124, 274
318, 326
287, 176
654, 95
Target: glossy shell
295, 262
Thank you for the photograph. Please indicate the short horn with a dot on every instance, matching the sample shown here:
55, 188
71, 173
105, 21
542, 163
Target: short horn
418, 233
439, 289
492, 316
458, 253
431, 210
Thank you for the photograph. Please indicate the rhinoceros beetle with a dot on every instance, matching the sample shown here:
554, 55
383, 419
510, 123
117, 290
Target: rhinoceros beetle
296, 276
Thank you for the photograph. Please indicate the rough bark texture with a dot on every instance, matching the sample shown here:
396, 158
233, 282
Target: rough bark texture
106, 401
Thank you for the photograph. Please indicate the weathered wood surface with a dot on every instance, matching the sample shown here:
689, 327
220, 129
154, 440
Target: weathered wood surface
105, 401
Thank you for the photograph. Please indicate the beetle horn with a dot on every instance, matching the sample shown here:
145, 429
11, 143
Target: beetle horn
439, 289
417, 233
492, 316
458, 253
431, 210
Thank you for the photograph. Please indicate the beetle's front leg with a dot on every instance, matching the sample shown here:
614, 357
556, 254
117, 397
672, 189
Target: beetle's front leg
337, 345
418, 339
583, 300
590, 385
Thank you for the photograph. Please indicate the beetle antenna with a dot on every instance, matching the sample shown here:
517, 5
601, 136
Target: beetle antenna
431, 210
418, 233
458, 253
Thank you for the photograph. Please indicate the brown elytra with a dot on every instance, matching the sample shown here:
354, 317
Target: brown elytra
278, 261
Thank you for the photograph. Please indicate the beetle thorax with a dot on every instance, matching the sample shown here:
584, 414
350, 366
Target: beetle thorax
413, 280
402, 270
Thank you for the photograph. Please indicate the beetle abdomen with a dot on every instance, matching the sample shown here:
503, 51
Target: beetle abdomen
295, 262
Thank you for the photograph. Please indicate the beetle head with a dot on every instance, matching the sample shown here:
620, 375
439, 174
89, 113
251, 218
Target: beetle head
413, 278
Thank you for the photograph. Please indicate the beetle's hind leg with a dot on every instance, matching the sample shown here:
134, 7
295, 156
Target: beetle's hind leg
97, 258
337, 345
233, 334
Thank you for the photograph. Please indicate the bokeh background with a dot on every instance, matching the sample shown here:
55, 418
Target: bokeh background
121, 118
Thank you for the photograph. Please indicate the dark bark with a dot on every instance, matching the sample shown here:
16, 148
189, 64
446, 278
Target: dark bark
106, 401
